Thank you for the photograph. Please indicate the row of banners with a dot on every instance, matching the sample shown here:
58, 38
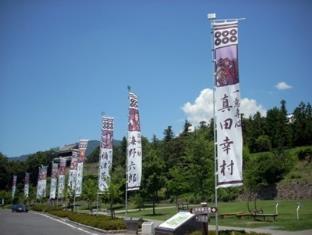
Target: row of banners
58, 172
75, 176
134, 148
228, 127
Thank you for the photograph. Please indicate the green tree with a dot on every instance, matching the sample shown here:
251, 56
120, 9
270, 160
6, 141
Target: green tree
94, 156
5, 172
89, 191
115, 188
263, 143
178, 182
302, 125
152, 175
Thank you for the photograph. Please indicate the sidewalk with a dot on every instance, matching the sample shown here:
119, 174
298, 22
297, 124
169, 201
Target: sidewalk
271, 231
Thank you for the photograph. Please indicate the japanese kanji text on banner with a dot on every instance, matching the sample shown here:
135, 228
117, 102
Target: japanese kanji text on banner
53, 181
134, 149
72, 177
61, 178
26, 185
14, 186
82, 152
42, 182
227, 105
106, 152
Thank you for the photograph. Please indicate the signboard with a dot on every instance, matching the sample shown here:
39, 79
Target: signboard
202, 213
177, 220
204, 210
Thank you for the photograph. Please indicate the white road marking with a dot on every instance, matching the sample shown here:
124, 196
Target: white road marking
63, 222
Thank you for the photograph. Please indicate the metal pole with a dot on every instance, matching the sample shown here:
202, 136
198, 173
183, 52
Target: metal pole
126, 194
212, 18
74, 202
97, 202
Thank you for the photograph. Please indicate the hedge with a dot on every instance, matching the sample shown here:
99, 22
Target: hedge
98, 221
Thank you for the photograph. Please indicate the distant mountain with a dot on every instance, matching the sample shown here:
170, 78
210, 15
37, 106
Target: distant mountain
19, 158
92, 145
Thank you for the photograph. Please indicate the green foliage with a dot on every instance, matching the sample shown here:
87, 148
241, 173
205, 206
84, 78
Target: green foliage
6, 195
94, 156
153, 168
263, 143
305, 154
98, 221
302, 125
89, 190
266, 169
182, 166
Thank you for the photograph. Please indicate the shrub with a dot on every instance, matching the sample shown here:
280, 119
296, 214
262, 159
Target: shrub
98, 221
305, 154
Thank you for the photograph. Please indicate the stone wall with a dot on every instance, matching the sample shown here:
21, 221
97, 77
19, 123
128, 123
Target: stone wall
291, 190
294, 189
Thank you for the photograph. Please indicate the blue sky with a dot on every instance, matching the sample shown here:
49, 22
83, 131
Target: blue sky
63, 63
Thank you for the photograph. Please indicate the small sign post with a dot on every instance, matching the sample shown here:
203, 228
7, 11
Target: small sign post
202, 216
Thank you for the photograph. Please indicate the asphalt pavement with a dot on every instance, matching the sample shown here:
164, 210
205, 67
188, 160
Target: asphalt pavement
32, 223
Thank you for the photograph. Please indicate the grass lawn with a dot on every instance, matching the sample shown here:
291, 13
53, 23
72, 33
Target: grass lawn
286, 219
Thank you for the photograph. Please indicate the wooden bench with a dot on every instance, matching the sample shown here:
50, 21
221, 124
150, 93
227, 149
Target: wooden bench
264, 216
240, 215
222, 216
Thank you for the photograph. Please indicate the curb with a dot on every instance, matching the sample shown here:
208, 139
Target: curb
84, 225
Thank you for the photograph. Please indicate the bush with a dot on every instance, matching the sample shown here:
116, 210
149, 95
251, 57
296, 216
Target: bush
98, 221
305, 154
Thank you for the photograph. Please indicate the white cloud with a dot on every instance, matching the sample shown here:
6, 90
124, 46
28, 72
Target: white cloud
202, 108
283, 86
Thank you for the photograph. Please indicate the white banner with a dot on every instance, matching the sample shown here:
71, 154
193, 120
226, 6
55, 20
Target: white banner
82, 152
14, 186
61, 178
42, 182
53, 184
26, 185
134, 148
79, 179
227, 105
72, 178
106, 152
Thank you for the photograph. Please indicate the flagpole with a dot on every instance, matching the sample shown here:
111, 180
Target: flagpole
126, 194
212, 18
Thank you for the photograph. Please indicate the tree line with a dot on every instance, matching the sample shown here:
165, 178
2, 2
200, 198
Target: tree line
181, 167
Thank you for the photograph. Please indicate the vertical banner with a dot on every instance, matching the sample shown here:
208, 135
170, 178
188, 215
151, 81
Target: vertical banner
134, 148
72, 178
227, 105
106, 152
53, 184
61, 178
42, 182
26, 185
83, 144
14, 186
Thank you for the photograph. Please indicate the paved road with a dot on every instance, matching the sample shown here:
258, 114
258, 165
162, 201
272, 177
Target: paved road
33, 223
